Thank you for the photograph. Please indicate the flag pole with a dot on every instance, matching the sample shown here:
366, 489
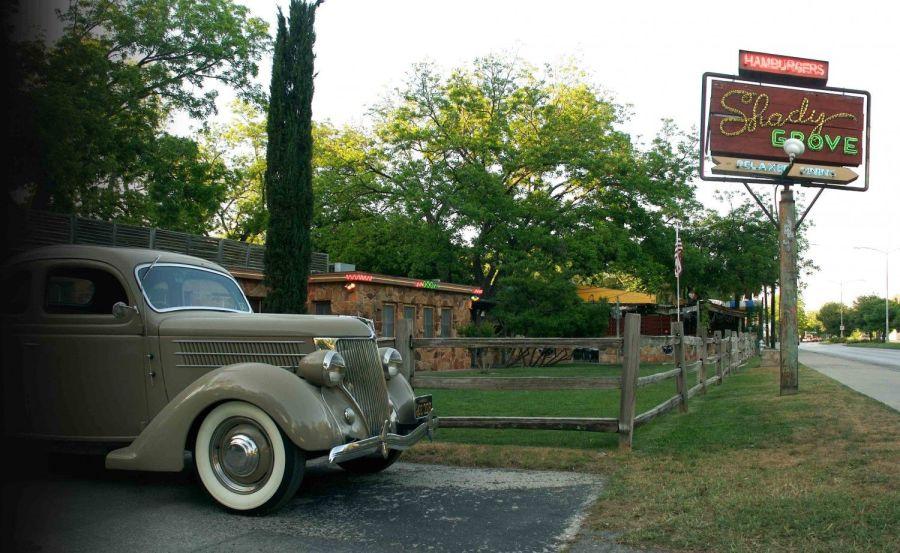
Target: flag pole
677, 286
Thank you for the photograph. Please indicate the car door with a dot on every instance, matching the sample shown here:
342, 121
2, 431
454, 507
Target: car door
84, 368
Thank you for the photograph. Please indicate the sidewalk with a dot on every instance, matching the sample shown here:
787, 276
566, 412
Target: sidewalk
877, 382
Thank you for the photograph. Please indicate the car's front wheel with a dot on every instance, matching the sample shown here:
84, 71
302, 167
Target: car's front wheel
245, 461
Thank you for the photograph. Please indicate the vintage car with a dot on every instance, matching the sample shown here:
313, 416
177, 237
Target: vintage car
159, 357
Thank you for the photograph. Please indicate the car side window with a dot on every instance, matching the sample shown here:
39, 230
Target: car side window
16, 293
82, 291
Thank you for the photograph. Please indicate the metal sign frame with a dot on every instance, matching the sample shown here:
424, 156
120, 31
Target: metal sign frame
811, 183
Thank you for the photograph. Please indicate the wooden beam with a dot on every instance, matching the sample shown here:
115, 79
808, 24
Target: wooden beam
720, 356
658, 377
631, 366
516, 383
514, 342
534, 423
681, 377
702, 354
663, 407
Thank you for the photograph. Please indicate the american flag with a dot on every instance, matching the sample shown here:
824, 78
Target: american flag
679, 254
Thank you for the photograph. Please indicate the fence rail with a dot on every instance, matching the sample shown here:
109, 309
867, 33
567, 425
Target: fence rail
726, 353
43, 228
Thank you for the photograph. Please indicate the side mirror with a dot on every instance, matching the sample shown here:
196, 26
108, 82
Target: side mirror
122, 310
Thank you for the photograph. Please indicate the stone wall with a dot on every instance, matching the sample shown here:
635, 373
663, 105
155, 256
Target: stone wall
368, 299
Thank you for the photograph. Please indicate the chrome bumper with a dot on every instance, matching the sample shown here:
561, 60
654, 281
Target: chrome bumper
384, 442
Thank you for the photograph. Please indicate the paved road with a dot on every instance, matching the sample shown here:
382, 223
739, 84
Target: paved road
873, 372
77, 506
873, 356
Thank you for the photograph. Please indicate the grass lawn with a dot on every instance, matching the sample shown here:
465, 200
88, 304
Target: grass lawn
744, 470
880, 345
563, 403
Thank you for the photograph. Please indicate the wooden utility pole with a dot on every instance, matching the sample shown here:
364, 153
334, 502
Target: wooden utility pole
787, 299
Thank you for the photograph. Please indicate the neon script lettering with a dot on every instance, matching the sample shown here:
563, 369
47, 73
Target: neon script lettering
740, 122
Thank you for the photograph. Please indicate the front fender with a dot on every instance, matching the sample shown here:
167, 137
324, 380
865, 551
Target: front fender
403, 398
294, 404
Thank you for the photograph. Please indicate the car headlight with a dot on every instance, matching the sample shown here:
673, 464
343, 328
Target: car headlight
322, 368
391, 361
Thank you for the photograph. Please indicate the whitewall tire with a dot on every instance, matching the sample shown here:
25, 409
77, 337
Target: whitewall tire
244, 461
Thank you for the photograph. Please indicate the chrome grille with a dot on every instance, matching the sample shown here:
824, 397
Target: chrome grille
366, 380
218, 353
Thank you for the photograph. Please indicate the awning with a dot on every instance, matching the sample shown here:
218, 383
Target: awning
594, 293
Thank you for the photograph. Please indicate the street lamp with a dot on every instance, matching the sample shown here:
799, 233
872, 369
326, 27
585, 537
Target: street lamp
887, 256
841, 282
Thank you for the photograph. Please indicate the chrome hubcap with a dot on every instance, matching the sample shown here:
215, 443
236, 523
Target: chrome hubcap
241, 455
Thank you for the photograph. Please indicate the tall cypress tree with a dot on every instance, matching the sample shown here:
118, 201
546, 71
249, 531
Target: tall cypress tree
288, 177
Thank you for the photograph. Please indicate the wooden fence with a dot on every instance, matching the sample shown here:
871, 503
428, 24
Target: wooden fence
713, 359
42, 228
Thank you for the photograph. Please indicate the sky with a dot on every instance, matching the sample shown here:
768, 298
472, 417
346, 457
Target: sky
650, 55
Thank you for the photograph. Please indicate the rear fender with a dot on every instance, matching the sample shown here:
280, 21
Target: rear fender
294, 404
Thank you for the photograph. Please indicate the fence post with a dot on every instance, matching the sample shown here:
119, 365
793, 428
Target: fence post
403, 344
729, 352
701, 356
720, 357
681, 378
631, 364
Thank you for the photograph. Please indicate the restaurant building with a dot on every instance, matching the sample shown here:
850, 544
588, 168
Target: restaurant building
433, 308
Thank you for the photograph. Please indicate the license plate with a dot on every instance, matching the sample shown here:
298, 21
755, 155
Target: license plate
423, 406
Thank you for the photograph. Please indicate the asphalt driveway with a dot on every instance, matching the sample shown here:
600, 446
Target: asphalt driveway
78, 506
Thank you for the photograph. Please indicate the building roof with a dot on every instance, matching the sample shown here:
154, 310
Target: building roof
595, 293
375, 278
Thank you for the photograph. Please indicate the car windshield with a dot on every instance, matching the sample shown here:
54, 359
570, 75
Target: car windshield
169, 287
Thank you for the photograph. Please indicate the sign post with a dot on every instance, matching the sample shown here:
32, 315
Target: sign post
777, 123
787, 301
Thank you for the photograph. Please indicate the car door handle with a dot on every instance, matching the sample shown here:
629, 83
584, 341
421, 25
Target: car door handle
30, 344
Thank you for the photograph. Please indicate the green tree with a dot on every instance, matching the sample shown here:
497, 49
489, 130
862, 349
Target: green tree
830, 317
808, 321
499, 170
546, 305
101, 95
241, 147
288, 177
868, 314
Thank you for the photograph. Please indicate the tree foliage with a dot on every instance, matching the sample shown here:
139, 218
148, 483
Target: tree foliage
241, 147
99, 99
830, 317
868, 315
288, 176
497, 170
547, 306
731, 255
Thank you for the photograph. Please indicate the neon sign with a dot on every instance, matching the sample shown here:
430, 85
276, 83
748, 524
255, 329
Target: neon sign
787, 66
749, 120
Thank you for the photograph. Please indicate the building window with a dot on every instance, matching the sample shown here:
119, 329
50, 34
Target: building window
428, 315
388, 312
322, 307
446, 322
409, 315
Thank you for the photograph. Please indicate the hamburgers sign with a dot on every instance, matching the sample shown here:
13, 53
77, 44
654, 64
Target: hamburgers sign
746, 124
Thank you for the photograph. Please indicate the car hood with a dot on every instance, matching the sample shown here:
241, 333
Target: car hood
214, 323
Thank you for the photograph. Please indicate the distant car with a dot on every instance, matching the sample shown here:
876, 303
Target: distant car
160, 356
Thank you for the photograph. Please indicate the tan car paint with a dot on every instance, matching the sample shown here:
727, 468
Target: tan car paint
294, 404
159, 399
